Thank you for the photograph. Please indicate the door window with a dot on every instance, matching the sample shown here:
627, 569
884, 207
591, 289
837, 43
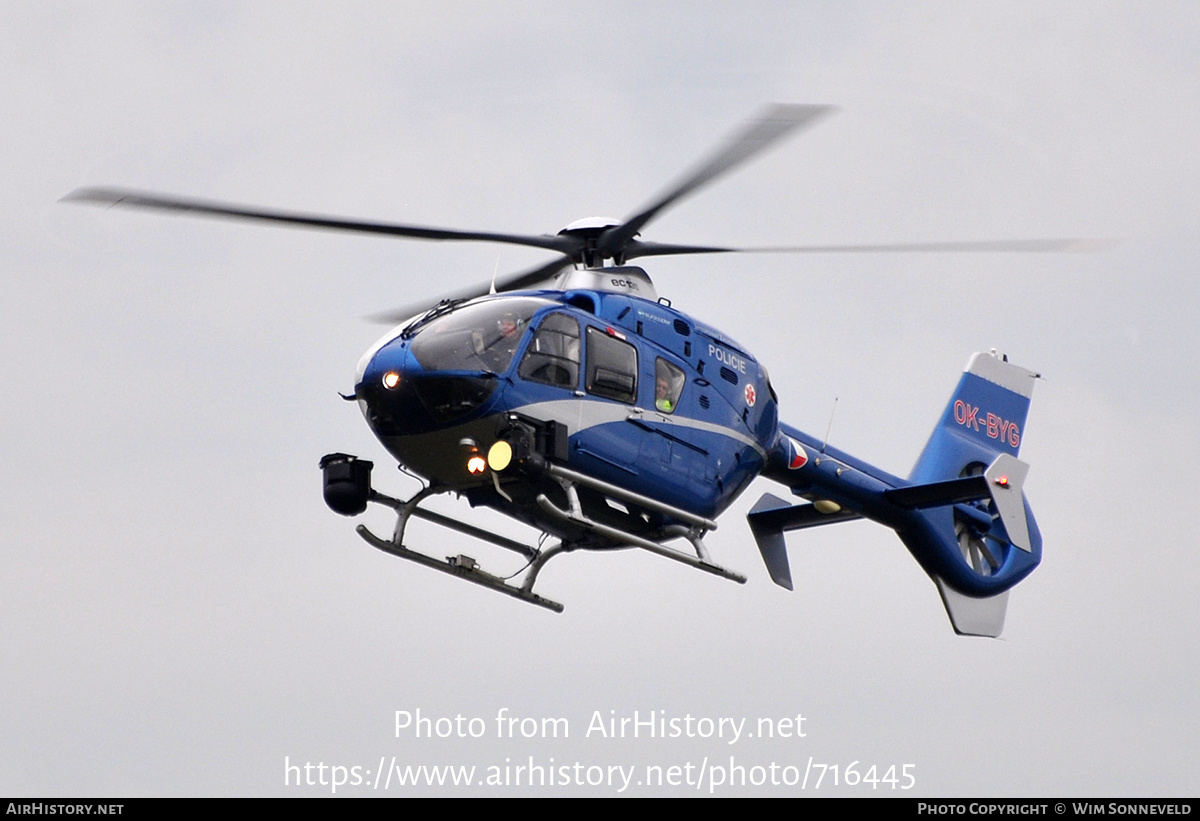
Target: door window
552, 358
612, 367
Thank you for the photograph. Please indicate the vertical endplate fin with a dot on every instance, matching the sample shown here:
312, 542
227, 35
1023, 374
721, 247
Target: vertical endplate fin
770, 540
971, 616
1006, 477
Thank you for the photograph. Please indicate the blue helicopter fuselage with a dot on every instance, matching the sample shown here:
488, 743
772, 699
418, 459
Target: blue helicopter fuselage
656, 404
652, 400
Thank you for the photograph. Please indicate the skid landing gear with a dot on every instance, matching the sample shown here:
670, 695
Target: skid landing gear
462, 566
348, 491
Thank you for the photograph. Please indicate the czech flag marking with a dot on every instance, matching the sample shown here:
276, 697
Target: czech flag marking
799, 457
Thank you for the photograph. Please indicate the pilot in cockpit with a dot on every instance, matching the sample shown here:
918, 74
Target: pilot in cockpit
668, 384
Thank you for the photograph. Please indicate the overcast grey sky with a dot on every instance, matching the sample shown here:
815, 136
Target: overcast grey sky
181, 612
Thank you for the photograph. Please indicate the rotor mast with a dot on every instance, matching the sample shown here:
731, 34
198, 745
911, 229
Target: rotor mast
589, 234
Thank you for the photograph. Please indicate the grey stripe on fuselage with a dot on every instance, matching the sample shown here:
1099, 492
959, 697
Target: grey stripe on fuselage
581, 414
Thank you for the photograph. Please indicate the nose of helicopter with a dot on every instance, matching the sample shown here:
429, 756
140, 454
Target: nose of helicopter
385, 364
399, 397
384, 392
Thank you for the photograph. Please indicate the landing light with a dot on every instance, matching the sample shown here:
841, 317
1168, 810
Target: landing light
391, 379
500, 455
476, 464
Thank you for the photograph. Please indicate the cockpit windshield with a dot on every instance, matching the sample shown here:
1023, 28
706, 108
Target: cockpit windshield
482, 336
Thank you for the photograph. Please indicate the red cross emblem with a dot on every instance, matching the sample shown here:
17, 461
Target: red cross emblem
751, 395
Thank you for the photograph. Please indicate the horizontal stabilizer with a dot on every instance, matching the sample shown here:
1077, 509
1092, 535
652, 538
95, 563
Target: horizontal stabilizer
1002, 482
771, 516
971, 616
936, 494
776, 514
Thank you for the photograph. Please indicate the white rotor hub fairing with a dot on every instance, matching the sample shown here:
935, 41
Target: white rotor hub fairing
627, 279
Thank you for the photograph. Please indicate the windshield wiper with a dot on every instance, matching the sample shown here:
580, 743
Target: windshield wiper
441, 309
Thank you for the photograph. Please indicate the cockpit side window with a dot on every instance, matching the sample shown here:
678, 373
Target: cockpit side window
668, 384
552, 357
612, 367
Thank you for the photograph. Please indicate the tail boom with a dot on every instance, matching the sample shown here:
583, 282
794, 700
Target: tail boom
962, 512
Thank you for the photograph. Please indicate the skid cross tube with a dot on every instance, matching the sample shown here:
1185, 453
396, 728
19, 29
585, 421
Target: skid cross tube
561, 474
406, 510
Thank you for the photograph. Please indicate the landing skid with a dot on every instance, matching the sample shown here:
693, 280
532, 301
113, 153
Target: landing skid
464, 567
600, 536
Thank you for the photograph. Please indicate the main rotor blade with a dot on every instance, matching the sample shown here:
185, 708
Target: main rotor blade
773, 124
1025, 246
637, 248
534, 276
185, 205
513, 282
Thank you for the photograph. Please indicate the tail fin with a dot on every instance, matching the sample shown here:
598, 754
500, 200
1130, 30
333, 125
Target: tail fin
977, 439
984, 418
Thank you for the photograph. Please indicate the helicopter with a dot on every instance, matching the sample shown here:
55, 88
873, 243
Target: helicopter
573, 398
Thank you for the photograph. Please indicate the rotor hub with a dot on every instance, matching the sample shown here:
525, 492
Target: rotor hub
589, 231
